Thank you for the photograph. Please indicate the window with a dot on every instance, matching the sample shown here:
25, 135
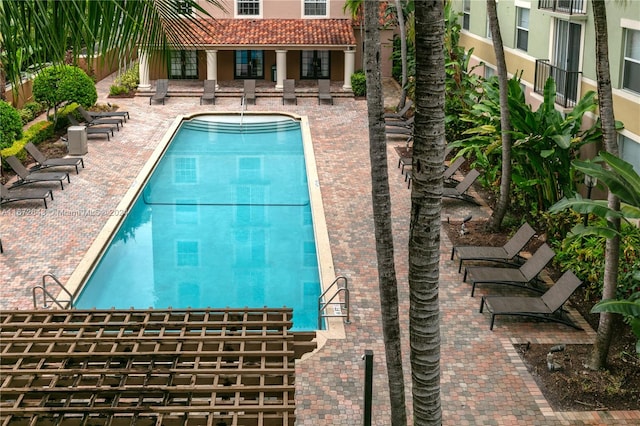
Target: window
187, 253
631, 69
249, 64
184, 64
630, 152
248, 7
489, 29
466, 13
315, 64
183, 7
315, 7
522, 28
489, 72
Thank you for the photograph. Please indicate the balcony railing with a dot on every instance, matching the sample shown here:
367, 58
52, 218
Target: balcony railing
567, 82
571, 7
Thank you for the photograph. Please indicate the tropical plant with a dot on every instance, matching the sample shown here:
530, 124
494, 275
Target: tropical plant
463, 86
10, 125
624, 183
127, 82
47, 31
381, 197
64, 83
629, 308
426, 206
544, 144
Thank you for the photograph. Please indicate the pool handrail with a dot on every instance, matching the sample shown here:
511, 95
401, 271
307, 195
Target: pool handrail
344, 306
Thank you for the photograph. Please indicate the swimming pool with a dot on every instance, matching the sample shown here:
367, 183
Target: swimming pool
224, 220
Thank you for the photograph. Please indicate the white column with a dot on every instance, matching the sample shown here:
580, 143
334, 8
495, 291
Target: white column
212, 66
281, 68
143, 58
349, 67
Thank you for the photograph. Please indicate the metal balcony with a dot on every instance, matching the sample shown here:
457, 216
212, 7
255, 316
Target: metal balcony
567, 82
570, 7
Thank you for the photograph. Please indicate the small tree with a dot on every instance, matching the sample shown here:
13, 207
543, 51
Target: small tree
65, 83
10, 125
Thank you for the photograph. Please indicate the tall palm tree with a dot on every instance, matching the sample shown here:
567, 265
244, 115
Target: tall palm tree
426, 205
47, 29
403, 51
602, 343
505, 121
381, 200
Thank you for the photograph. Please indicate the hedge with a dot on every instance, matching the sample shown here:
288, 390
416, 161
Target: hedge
38, 132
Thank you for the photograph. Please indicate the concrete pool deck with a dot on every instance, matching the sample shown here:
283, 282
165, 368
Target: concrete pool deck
483, 381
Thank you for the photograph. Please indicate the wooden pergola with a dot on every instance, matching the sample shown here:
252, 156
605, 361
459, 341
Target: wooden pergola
149, 367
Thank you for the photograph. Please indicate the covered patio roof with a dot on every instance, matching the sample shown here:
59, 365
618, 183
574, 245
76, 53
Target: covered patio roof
245, 33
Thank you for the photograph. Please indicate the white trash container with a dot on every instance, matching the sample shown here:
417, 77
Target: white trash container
77, 143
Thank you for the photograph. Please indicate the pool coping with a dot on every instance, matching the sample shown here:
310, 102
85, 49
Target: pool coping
334, 325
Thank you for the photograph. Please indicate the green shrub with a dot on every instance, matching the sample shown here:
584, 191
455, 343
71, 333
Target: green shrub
585, 256
63, 121
66, 83
115, 90
25, 116
38, 132
359, 83
10, 125
35, 107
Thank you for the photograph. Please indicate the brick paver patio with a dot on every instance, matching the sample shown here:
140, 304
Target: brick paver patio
483, 380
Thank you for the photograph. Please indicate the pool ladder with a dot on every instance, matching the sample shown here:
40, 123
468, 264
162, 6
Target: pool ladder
340, 309
46, 294
243, 105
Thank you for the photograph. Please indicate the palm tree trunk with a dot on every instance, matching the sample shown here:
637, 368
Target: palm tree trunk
403, 51
426, 205
381, 200
601, 346
505, 121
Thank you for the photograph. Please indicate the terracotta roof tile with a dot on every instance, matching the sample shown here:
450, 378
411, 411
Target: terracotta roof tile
273, 32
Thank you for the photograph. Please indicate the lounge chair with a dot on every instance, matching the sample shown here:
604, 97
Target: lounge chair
102, 114
451, 170
401, 123
289, 91
324, 91
43, 162
209, 93
504, 254
93, 130
249, 91
162, 87
460, 190
523, 277
26, 177
11, 195
399, 130
402, 114
94, 121
547, 307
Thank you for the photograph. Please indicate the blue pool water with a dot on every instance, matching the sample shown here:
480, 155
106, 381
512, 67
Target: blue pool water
223, 221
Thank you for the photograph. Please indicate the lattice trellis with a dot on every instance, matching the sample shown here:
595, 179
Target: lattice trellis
147, 367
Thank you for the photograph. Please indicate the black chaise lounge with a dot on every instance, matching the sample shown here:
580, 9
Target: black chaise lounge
324, 91
249, 91
162, 89
408, 123
402, 114
289, 91
523, 277
104, 114
8, 195
94, 121
209, 93
43, 162
460, 190
505, 254
26, 177
93, 130
546, 307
